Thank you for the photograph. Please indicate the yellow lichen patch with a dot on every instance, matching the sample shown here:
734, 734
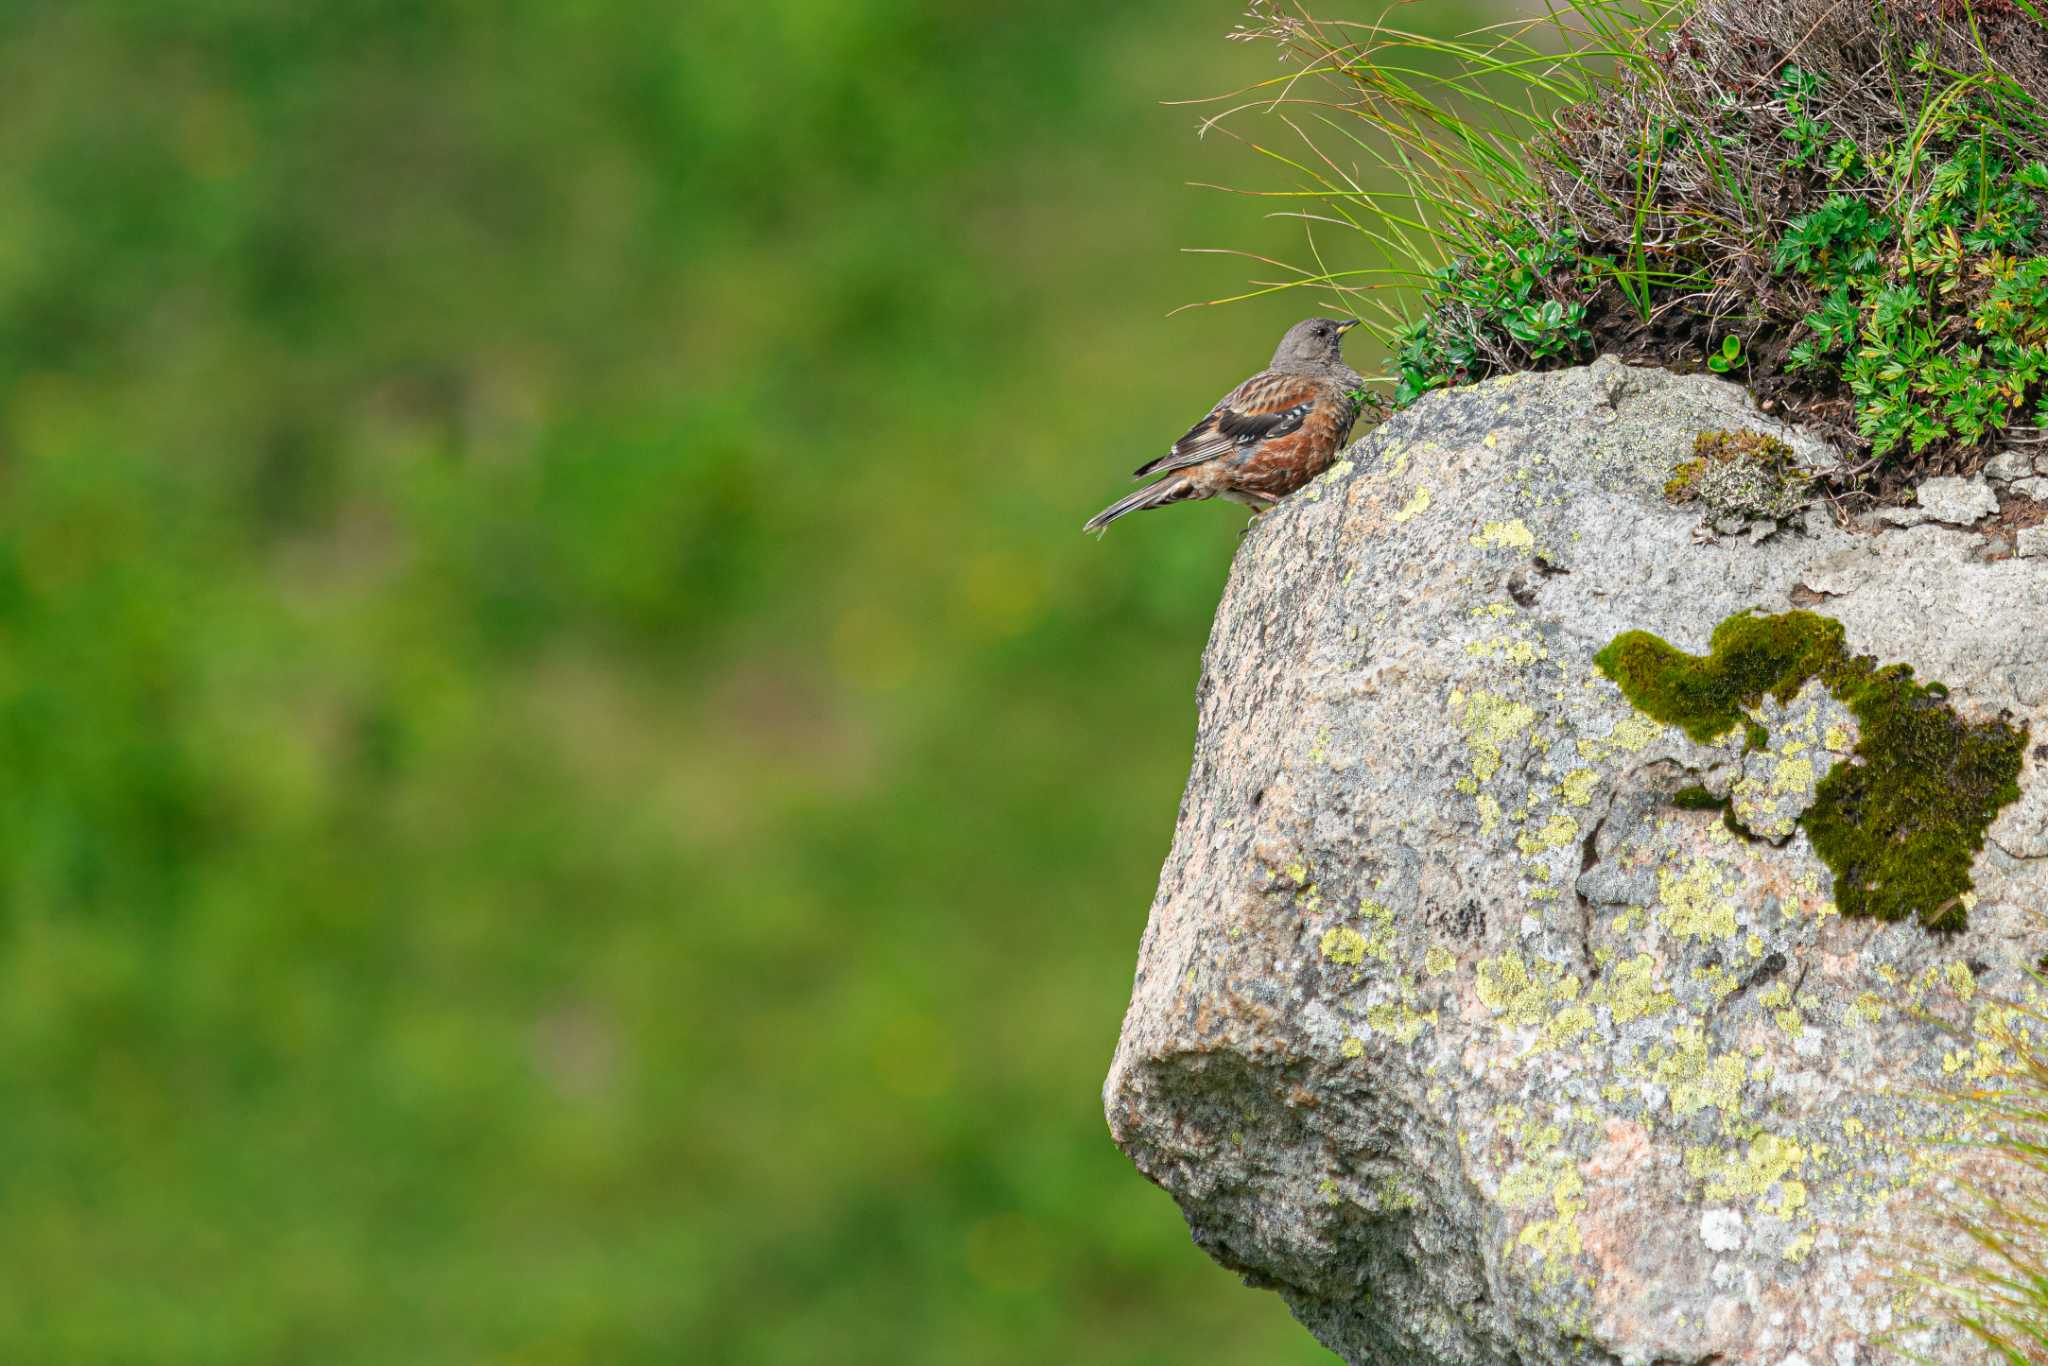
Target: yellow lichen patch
1778, 1000
1418, 504
1556, 833
1920, 984
1698, 1080
1509, 535
1523, 1186
1398, 1021
1697, 904
2001, 1038
1349, 947
1490, 721
1566, 1025
1750, 1173
1344, 945
1438, 961
1621, 922
1755, 945
1632, 733
1379, 920
1509, 648
1338, 471
1352, 1047
1799, 1247
1554, 1242
1523, 991
1578, 786
1793, 775
1319, 752
1629, 992
1961, 981
1718, 980
1489, 814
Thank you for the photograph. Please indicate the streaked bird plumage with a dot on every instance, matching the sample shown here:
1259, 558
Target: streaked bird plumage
1265, 438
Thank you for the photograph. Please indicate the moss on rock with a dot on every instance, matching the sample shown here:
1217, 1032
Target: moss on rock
1901, 824
1751, 656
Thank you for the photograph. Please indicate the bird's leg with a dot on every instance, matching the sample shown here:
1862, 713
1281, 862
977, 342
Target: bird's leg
1259, 503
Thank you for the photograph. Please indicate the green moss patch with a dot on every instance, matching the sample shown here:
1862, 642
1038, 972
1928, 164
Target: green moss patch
1899, 824
1751, 656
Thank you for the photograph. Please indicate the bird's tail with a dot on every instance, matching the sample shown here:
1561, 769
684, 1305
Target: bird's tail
1158, 495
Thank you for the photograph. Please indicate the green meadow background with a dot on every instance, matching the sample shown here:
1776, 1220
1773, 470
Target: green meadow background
570, 790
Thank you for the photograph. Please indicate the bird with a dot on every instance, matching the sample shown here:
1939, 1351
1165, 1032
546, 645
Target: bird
1265, 438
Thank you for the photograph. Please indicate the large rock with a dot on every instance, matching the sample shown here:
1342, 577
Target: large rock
1450, 1025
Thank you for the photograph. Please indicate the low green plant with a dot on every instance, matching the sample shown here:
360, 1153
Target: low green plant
1492, 311
1727, 357
1931, 310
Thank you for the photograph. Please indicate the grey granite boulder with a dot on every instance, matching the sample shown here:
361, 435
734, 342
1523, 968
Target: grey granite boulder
1451, 1025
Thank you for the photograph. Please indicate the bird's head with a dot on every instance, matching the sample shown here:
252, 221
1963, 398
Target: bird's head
1313, 344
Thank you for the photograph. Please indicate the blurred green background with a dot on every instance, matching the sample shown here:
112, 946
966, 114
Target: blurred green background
570, 791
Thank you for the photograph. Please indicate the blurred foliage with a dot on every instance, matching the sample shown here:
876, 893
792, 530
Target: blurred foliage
570, 791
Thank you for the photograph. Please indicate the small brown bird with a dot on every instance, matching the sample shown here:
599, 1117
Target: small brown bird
1269, 436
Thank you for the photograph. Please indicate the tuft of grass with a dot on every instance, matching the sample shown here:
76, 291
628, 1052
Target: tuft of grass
1845, 200
1427, 151
1991, 1276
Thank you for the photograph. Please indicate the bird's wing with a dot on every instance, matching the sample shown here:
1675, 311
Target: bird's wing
1263, 407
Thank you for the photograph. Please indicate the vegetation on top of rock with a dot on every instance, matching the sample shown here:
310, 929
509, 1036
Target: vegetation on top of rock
1901, 824
1745, 473
1844, 199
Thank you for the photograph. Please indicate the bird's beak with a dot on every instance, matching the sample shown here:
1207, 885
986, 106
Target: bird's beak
1346, 326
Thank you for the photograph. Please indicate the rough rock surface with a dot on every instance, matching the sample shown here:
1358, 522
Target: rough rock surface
1946, 498
1449, 1025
